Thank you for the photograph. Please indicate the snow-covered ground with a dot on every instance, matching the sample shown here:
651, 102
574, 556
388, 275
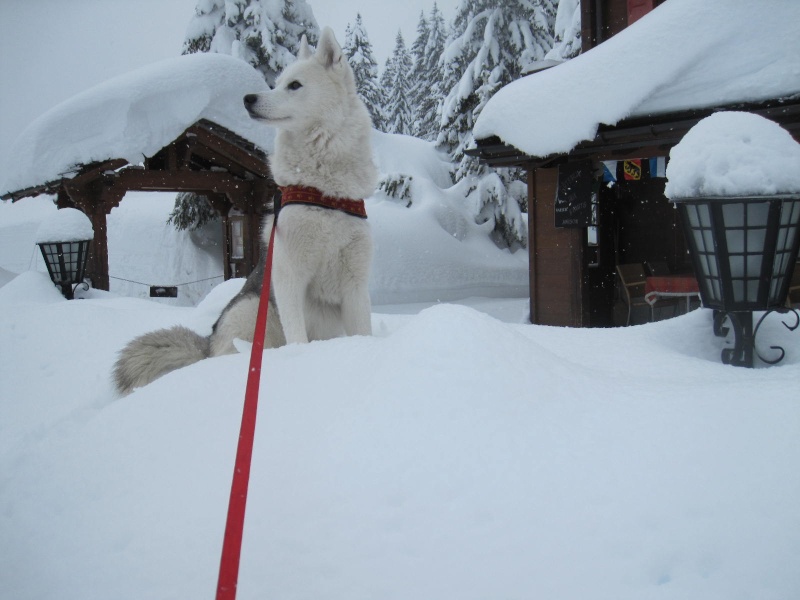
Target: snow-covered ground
457, 453
451, 455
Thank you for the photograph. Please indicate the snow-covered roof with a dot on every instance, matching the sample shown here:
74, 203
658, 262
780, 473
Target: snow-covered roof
685, 54
135, 115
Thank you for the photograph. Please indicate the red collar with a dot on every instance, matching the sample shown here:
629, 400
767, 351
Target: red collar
299, 194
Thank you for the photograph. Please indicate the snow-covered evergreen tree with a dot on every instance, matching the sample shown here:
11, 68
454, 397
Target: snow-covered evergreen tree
264, 33
361, 57
396, 84
426, 91
490, 43
567, 43
417, 53
191, 211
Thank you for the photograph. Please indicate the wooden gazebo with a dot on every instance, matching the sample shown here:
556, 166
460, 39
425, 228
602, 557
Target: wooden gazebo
207, 159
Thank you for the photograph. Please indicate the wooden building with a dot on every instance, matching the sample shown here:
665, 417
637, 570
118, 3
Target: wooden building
573, 257
207, 159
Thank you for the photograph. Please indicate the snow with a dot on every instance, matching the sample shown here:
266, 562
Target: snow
134, 115
458, 452
452, 454
734, 154
682, 55
65, 225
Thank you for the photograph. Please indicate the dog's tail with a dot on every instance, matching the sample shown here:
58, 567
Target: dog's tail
154, 354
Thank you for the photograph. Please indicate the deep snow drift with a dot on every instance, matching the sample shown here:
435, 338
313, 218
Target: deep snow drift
451, 455
457, 453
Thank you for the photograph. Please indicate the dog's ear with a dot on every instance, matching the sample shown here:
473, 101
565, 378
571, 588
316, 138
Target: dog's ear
329, 53
305, 51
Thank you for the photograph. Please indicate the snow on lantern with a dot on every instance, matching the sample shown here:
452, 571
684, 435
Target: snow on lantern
64, 241
735, 179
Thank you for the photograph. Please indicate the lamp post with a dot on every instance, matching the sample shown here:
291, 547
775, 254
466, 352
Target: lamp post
64, 242
735, 180
743, 250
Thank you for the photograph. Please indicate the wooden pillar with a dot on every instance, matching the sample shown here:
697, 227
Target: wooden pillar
221, 204
556, 257
253, 220
253, 202
96, 201
532, 219
97, 267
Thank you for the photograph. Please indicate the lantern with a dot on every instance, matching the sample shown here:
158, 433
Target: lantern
735, 179
64, 242
743, 250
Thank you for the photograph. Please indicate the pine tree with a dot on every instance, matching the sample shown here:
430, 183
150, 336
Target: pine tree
387, 86
191, 211
427, 81
397, 89
567, 42
491, 42
417, 87
264, 33
358, 50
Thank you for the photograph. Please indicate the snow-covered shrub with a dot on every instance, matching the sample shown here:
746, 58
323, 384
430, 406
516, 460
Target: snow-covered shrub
191, 212
397, 186
501, 201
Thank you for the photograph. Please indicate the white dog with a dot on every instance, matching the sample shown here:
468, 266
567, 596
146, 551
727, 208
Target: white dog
323, 249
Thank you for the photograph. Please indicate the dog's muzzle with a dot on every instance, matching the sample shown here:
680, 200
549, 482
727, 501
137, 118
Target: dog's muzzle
250, 101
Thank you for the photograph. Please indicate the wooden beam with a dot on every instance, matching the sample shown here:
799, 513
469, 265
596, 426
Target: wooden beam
202, 156
249, 160
180, 181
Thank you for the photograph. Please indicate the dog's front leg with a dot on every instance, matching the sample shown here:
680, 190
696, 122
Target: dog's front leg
290, 294
357, 312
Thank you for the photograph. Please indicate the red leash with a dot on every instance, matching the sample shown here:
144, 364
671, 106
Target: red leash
234, 526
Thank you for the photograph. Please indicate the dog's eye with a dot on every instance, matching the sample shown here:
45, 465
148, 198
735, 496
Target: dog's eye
295, 85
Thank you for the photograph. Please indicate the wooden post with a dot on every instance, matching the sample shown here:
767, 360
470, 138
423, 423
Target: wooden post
532, 241
556, 257
96, 201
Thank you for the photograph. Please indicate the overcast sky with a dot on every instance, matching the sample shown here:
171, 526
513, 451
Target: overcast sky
51, 50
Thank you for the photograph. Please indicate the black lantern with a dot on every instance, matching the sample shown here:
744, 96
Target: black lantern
66, 264
743, 250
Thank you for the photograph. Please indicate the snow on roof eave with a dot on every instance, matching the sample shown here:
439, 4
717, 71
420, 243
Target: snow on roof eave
52, 186
82, 171
639, 132
134, 115
685, 58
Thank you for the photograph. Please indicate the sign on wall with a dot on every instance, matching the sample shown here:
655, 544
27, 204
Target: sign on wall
574, 195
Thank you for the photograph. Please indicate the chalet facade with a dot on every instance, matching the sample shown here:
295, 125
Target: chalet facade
617, 212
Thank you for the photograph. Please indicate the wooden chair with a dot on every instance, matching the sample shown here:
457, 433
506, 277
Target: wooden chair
632, 279
658, 268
